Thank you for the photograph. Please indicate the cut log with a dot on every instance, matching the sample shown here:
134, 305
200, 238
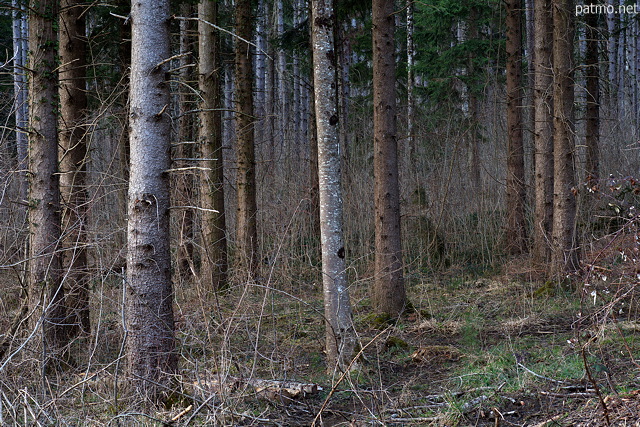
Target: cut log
267, 389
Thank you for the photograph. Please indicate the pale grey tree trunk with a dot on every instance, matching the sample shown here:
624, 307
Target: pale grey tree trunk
340, 334
149, 298
73, 162
45, 279
388, 296
281, 71
261, 69
20, 49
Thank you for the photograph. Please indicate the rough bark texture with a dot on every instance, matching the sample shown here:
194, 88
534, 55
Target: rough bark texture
516, 227
45, 285
149, 297
388, 294
73, 158
246, 228
542, 133
592, 140
214, 240
340, 334
564, 254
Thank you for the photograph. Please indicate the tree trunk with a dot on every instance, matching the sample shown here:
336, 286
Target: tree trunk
73, 162
45, 275
214, 240
340, 335
593, 102
542, 133
564, 255
410, 150
20, 49
246, 228
185, 185
149, 298
388, 295
516, 195
281, 70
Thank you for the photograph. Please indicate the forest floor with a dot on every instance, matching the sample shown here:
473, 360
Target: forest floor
501, 349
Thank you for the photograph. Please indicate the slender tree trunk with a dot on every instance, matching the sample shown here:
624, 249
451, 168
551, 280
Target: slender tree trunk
516, 196
45, 278
149, 297
593, 102
184, 189
281, 70
564, 256
20, 49
340, 334
73, 162
214, 240
246, 228
410, 80
543, 133
388, 295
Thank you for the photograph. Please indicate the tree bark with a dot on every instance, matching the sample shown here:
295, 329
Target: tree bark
410, 150
246, 227
340, 332
73, 162
20, 50
516, 194
543, 133
185, 185
214, 240
45, 279
564, 256
592, 141
149, 298
388, 294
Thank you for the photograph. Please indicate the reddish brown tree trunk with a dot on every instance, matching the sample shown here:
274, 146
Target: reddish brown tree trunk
73, 161
516, 222
388, 294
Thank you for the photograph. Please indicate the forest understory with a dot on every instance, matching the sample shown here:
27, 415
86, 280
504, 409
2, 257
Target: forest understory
473, 348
